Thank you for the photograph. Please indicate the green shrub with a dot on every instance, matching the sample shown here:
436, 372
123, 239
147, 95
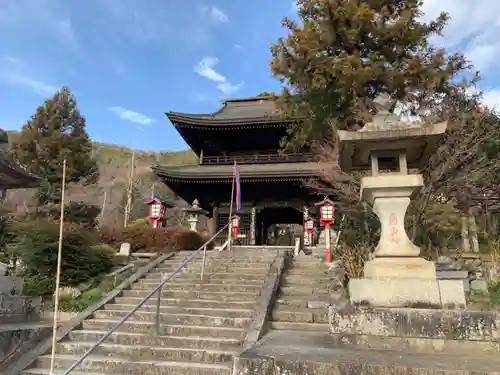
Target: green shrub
83, 214
142, 222
152, 240
38, 249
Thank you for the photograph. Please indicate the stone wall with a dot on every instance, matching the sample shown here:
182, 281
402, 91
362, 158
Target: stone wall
416, 323
18, 309
15, 342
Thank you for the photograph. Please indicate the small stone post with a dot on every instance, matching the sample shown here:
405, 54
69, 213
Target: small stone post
194, 215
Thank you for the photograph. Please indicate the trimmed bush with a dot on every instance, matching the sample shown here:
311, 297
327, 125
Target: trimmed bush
152, 240
38, 248
142, 222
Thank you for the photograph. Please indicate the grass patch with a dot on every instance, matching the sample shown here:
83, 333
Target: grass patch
494, 290
71, 303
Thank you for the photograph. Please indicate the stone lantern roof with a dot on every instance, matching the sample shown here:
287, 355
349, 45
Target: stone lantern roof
388, 136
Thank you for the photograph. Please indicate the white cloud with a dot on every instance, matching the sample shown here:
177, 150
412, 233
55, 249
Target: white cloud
38, 87
11, 60
132, 116
41, 16
218, 15
228, 89
206, 69
492, 99
238, 46
473, 28
214, 14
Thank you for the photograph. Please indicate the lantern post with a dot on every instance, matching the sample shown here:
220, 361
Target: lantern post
309, 228
235, 225
327, 219
310, 225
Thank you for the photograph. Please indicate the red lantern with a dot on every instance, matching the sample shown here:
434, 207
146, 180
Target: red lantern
157, 210
235, 225
327, 213
326, 219
309, 225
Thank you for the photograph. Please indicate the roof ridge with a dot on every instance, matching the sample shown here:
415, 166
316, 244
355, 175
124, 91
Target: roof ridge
250, 99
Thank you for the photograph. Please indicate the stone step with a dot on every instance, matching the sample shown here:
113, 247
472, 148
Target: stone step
304, 290
308, 301
190, 319
209, 275
45, 371
116, 365
221, 311
217, 263
165, 329
186, 302
177, 285
184, 279
314, 273
299, 280
317, 353
291, 326
300, 315
130, 338
307, 289
142, 352
264, 269
193, 294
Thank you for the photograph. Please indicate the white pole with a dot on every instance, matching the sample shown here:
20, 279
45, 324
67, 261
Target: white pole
229, 229
128, 207
58, 275
103, 206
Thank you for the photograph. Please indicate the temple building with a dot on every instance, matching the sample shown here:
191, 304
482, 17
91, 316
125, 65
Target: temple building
248, 132
13, 175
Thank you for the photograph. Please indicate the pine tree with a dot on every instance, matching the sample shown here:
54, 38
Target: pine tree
54, 133
344, 53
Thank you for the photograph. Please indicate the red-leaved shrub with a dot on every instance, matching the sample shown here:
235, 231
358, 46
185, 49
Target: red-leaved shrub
152, 240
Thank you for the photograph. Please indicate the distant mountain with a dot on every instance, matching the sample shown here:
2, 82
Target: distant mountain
114, 166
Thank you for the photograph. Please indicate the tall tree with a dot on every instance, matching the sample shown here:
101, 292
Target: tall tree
342, 54
54, 133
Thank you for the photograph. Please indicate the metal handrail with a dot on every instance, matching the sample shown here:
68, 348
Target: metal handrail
158, 290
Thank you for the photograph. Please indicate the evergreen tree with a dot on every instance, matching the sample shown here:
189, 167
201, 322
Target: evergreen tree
344, 53
54, 133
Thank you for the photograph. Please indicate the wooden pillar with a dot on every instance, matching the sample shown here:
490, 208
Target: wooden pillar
253, 216
215, 219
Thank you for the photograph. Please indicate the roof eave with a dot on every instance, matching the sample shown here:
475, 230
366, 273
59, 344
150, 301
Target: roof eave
182, 119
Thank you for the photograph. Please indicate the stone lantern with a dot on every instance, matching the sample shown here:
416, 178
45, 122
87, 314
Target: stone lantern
194, 213
397, 276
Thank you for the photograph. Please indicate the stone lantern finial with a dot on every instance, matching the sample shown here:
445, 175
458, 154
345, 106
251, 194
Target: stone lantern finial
196, 204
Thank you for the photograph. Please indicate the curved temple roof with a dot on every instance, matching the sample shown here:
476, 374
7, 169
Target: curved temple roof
247, 171
258, 110
12, 174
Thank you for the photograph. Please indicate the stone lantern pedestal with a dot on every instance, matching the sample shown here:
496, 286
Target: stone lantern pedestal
397, 276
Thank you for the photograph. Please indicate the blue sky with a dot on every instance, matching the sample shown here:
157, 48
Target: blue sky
129, 61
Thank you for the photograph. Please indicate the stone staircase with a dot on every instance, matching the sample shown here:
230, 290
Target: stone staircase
364, 341
308, 286
202, 323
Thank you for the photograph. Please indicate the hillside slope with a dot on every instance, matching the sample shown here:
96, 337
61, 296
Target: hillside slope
114, 166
